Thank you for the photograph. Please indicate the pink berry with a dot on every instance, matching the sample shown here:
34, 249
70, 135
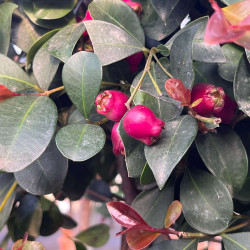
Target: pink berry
228, 112
134, 61
111, 104
141, 123
212, 99
118, 147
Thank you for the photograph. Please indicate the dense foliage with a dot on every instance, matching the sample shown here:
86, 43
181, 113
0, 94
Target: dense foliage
71, 70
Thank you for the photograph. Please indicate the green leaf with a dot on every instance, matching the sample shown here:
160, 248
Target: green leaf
236, 241
24, 131
46, 174
157, 203
206, 202
134, 153
180, 244
233, 54
120, 14
80, 142
175, 140
181, 62
242, 86
12, 76
82, 76
7, 196
203, 52
27, 217
25, 33
79, 245
216, 150
147, 175
38, 44
45, 67
95, 236
48, 10
163, 50
110, 42
61, 45
6, 10
52, 218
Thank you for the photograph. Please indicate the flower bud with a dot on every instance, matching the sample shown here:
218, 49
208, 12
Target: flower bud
118, 147
228, 112
141, 123
111, 104
212, 99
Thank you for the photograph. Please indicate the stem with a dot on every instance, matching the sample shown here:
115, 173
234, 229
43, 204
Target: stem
158, 61
49, 92
12, 188
101, 122
145, 71
233, 228
209, 120
38, 89
116, 84
155, 84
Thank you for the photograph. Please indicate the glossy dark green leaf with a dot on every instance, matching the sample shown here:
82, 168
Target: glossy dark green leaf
208, 73
110, 42
95, 236
6, 10
46, 174
54, 23
68, 222
157, 203
62, 44
7, 184
80, 142
25, 33
147, 175
82, 76
175, 140
206, 202
242, 129
242, 85
38, 44
28, 217
236, 241
45, 67
52, 218
79, 245
163, 50
120, 14
203, 52
172, 12
12, 76
233, 54
180, 244
78, 178
248, 54
181, 62
27, 125
134, 153
216, 151
48, 10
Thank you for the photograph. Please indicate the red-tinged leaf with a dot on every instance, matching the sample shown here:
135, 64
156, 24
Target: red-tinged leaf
173, 213
177, 90
230, 24
124, 214
6, 93
139, 239
139, 227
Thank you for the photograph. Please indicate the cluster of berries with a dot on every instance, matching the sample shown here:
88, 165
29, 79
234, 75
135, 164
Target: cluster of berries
139, 122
